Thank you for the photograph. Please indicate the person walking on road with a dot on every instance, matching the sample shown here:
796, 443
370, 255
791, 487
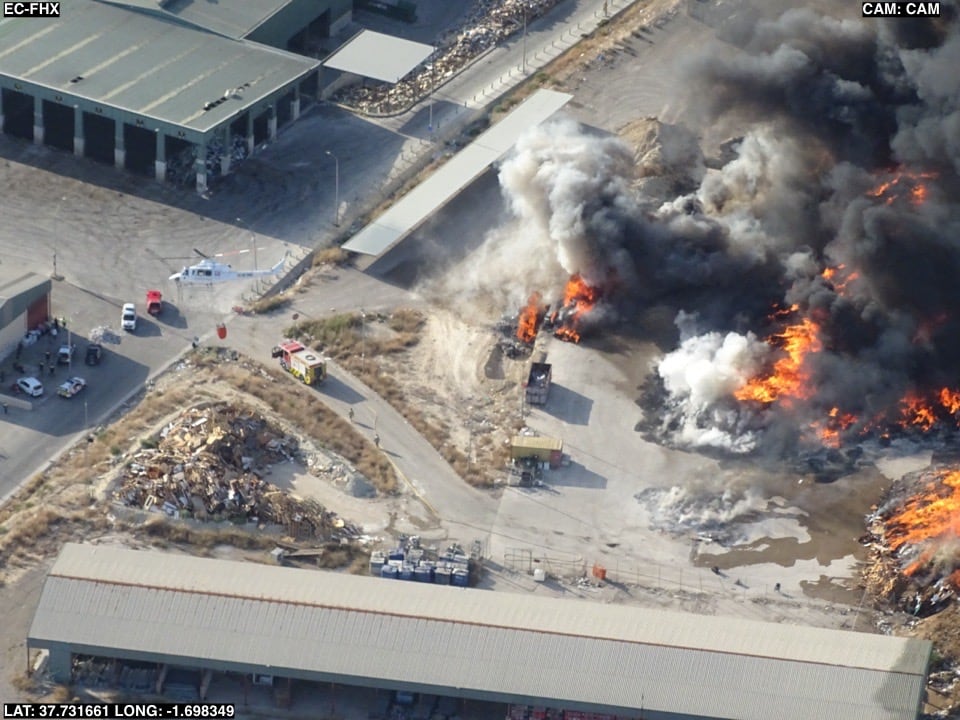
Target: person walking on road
5, 410
350, 414
376, 440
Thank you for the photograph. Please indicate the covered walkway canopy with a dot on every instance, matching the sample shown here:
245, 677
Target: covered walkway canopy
378, 56
446, 183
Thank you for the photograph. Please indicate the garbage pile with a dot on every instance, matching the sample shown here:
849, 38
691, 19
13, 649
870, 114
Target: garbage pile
510, 346
209, 465
914, 556
182, 166
490, 23
104, 335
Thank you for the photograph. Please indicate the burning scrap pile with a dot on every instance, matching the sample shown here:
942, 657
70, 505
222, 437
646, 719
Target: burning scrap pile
490, 22
566, 321
209, 463
836, 204
915, 542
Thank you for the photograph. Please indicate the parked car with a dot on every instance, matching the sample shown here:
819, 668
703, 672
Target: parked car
128, 317
94, 354
67, 351
154, 302
30, 386
71, 387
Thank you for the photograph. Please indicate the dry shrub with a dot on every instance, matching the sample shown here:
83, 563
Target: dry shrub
269, 303
406, 320
180, 533
25, 683
60, 694
348, 556
335, 256
317, 421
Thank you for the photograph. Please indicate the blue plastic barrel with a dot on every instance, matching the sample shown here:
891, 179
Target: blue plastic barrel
424, 574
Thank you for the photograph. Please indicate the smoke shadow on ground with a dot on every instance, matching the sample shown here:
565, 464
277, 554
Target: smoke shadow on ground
336, 389
171, 317
575, 475
446, 238
568, 405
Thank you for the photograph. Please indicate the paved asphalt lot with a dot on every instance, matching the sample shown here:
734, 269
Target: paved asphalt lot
114, 235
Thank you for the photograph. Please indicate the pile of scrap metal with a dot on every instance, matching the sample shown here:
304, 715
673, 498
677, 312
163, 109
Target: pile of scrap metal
209, 464
507, 341
492, 22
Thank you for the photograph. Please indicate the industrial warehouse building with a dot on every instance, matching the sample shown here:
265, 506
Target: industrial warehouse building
24, 304
175, 88
177, 612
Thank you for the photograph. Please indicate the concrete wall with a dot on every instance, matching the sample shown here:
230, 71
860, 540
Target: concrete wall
295, 16
11, 333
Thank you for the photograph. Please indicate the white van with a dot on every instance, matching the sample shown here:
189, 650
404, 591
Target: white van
128, 317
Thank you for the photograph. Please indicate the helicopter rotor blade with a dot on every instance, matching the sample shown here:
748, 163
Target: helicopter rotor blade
203, 255
236, 252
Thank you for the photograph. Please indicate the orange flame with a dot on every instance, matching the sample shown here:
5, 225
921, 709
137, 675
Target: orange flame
932, 514
789, 378
838, 278
830, 430
950, 399
529, 321
890, 190
578, 300
915, 411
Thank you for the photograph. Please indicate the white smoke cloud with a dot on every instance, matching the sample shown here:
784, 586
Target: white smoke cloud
562, 185
699, 376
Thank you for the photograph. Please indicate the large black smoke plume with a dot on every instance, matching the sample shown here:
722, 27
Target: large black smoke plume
838, 209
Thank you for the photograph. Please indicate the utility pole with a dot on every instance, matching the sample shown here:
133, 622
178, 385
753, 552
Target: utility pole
336, 188
524, 37
363, 338
256, 265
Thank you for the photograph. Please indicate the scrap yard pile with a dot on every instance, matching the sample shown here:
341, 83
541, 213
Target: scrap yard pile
914, 538
209, 464
490, 23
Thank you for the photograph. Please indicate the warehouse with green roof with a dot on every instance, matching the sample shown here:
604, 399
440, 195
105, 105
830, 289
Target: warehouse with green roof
172, 88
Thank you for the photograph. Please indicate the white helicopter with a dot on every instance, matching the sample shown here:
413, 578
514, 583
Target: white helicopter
209, 271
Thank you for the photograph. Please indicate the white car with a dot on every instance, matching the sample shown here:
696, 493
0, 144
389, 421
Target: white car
128, 317
71, 387
30, 386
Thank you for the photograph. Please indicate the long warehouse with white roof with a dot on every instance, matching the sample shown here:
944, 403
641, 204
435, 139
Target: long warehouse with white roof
311, 626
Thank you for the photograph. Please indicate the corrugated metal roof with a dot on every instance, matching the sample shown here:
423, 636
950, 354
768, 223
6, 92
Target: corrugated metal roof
316, 624
438, 189
378, 56
144, 64
536, 442
235, 18
15, 284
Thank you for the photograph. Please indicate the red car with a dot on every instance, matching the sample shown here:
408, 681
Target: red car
154, 302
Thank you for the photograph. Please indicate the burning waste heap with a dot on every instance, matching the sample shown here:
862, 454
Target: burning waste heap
914, 541
813, 275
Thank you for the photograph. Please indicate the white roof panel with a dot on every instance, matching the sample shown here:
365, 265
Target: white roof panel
446, 183
378, 56
369, 631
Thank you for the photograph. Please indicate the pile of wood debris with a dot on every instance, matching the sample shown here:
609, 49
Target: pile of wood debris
913, 554
209, 464
491, 22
